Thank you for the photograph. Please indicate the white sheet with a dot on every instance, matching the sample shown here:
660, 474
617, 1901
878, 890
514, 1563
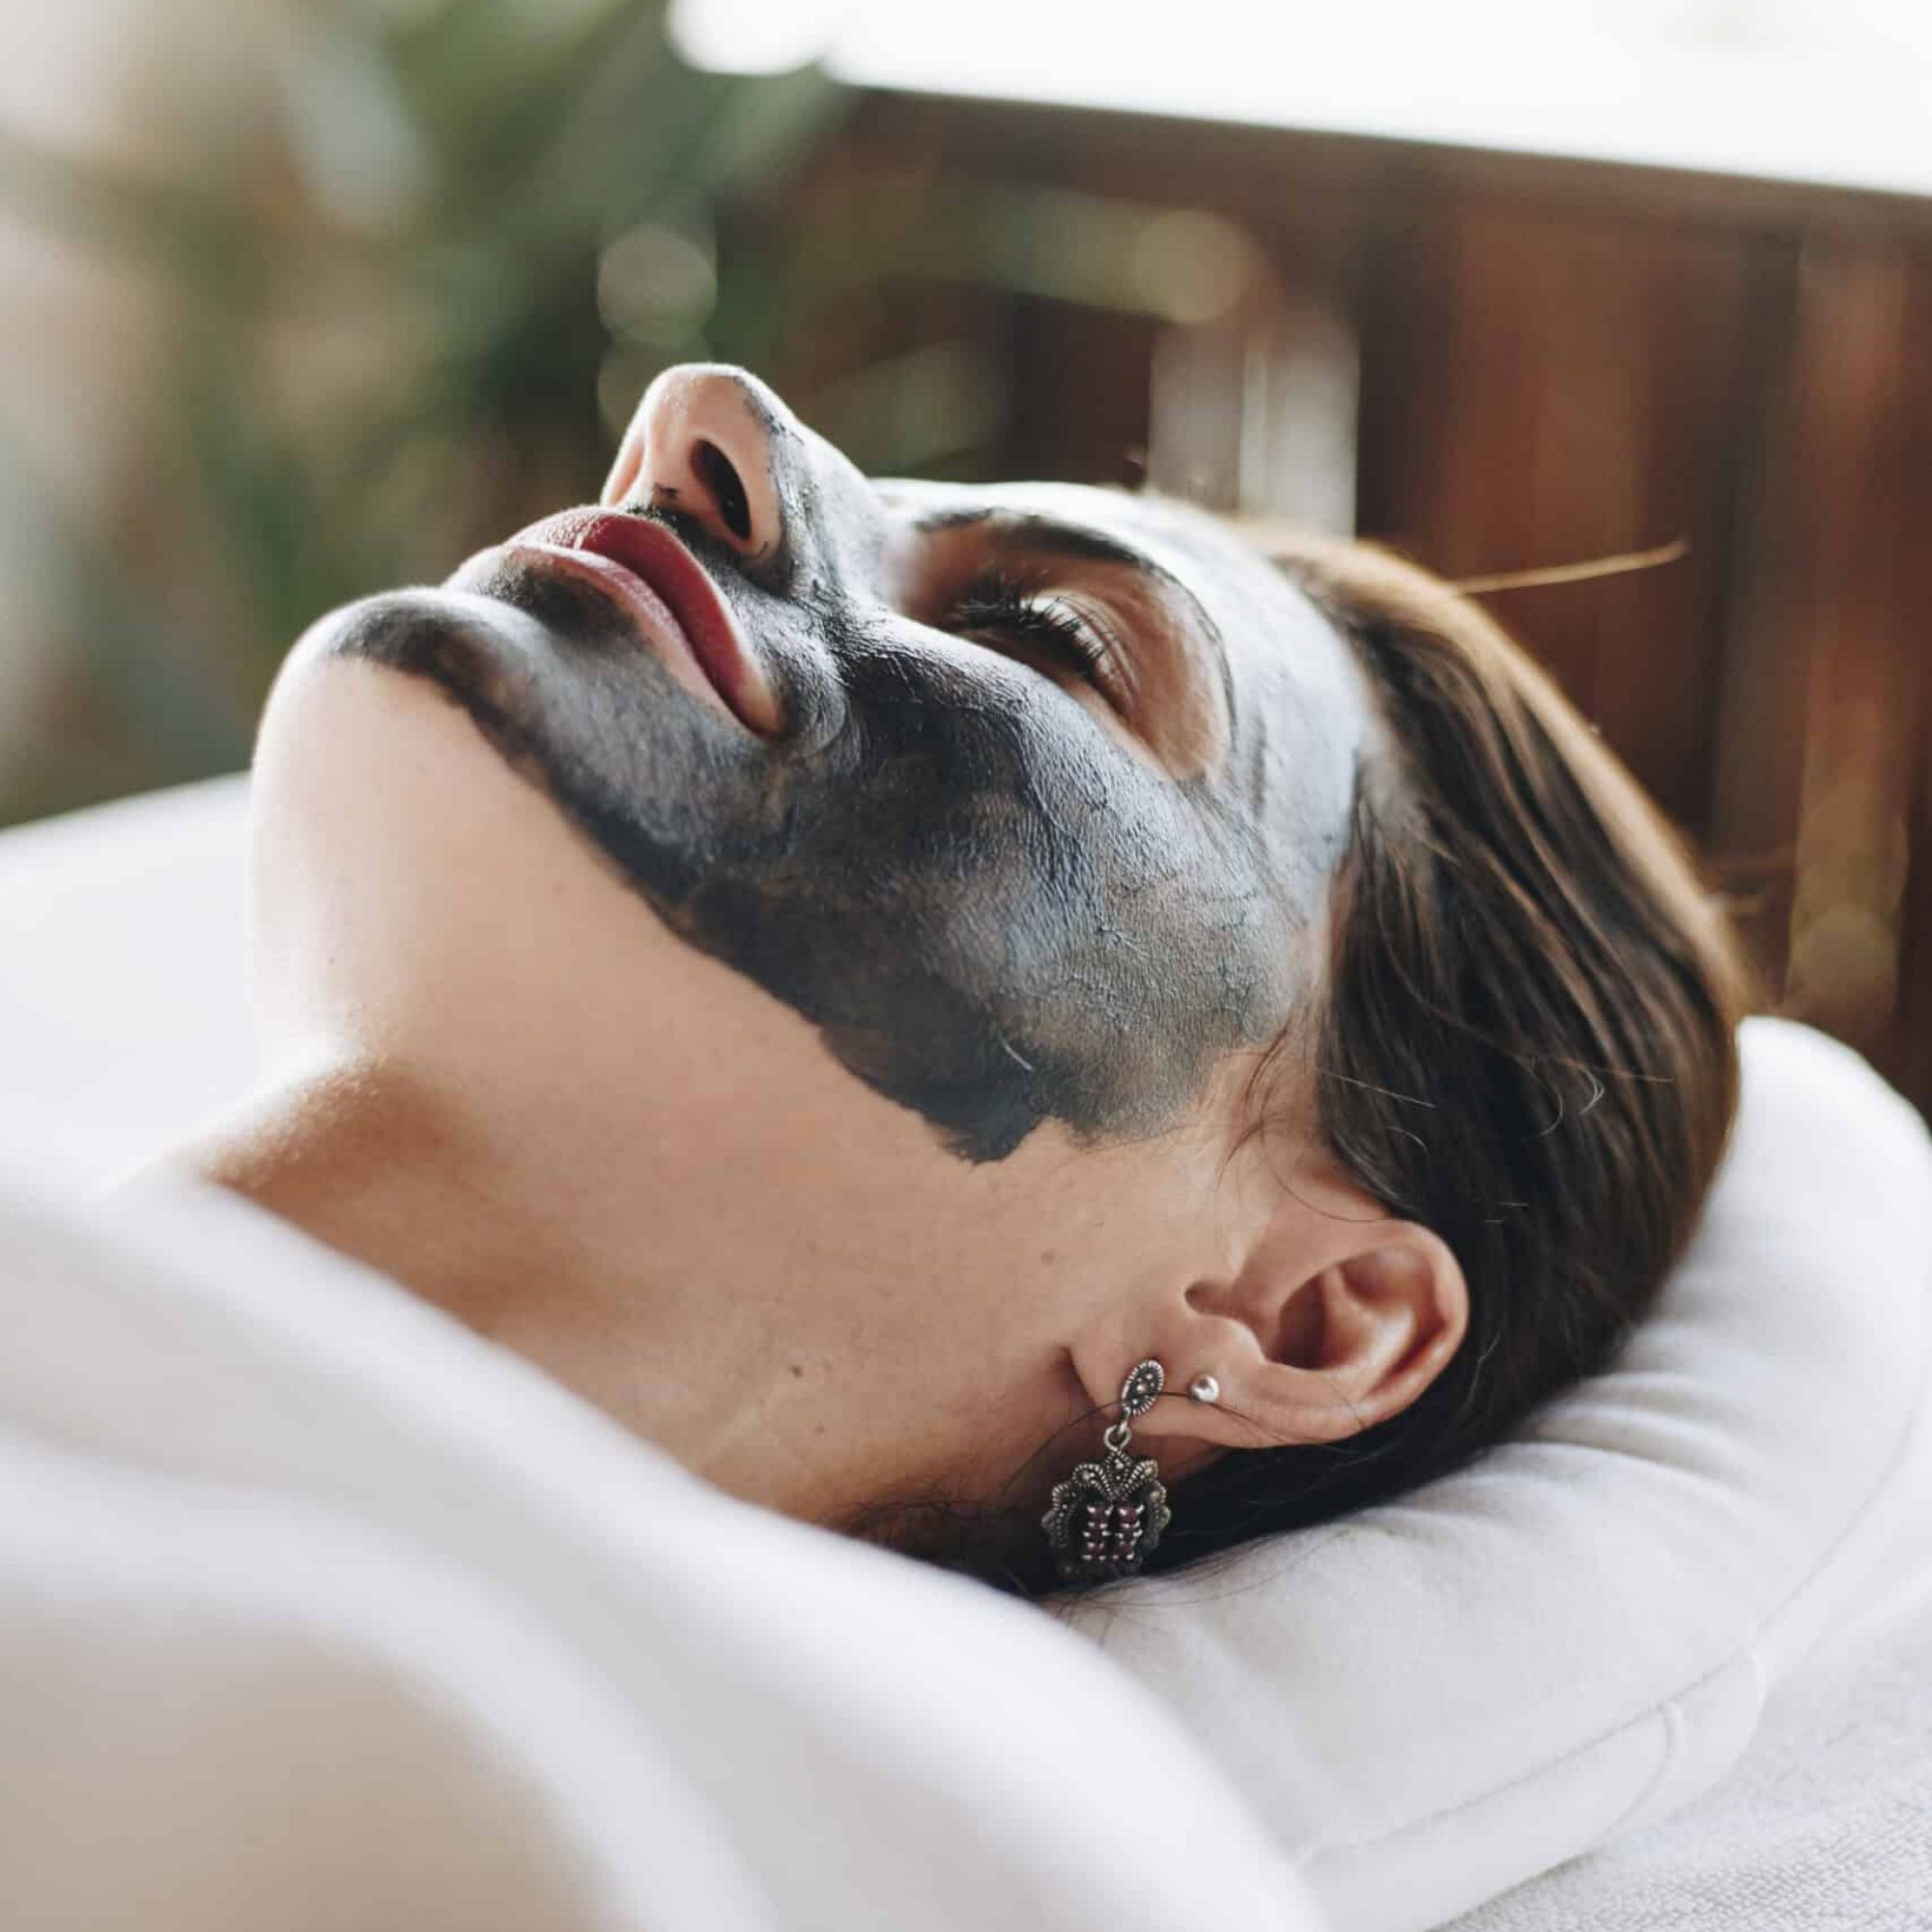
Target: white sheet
317, 1612
123, 1001
1826, 1824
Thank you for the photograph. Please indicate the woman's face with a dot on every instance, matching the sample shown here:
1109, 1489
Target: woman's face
1026, 798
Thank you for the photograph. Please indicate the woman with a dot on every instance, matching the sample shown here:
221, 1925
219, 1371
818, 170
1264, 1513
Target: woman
843, 974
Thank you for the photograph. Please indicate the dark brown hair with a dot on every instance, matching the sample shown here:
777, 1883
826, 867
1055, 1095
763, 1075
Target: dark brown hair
1527, 1041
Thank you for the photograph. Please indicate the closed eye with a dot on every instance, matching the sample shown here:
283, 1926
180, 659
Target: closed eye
1089, 613
1005, 609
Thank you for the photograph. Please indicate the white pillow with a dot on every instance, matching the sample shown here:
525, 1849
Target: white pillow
1438, 1697
1443, 1695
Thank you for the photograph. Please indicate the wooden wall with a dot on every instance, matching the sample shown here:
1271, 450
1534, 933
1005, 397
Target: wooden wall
1550, 361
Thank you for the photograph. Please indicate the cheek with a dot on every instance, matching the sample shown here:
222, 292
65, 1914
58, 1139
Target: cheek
1008, 805
1022, 903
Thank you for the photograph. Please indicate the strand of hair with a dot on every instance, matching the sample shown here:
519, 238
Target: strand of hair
1574, 573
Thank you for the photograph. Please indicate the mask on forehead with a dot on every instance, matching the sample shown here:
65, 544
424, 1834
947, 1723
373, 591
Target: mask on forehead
993, 904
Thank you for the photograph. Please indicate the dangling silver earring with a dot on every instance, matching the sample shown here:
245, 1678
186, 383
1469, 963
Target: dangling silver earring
1108, 1515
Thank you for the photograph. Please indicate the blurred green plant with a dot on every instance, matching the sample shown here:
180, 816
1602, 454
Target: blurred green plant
412, 268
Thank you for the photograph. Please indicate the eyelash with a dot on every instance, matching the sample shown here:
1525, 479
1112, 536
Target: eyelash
998, 603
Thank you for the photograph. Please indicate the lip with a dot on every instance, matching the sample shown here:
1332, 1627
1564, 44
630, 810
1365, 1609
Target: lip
670, 599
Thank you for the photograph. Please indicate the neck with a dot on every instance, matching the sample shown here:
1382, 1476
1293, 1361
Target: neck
547, 1242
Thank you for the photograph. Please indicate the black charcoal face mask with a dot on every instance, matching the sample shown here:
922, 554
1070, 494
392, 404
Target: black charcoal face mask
1001, 894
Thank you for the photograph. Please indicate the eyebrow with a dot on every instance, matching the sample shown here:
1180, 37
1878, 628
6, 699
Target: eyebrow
1026, 529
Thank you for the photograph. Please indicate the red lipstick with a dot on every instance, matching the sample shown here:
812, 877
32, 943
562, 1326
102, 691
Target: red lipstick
679, 611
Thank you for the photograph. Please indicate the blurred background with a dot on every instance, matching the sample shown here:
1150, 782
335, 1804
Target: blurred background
303, 299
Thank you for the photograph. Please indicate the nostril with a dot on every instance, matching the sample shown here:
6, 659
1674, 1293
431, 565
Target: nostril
713, 469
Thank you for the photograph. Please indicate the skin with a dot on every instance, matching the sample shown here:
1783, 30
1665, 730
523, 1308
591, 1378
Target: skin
838, 1076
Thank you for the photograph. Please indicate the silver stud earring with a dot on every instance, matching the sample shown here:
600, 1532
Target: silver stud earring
1204, 1388
1108, 1515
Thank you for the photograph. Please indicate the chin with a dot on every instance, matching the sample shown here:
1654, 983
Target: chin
388, 841
414, 902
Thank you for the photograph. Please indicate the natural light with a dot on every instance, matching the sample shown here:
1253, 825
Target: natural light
1829, 90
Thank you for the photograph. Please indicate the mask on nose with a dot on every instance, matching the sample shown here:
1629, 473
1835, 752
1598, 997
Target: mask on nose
717, 447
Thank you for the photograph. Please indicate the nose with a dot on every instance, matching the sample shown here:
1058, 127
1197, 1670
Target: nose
703, 443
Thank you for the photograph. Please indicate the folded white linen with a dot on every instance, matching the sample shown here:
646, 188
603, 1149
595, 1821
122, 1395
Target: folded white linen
316, 1610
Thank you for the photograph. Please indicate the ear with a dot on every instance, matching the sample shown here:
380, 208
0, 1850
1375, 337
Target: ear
1336, 1318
